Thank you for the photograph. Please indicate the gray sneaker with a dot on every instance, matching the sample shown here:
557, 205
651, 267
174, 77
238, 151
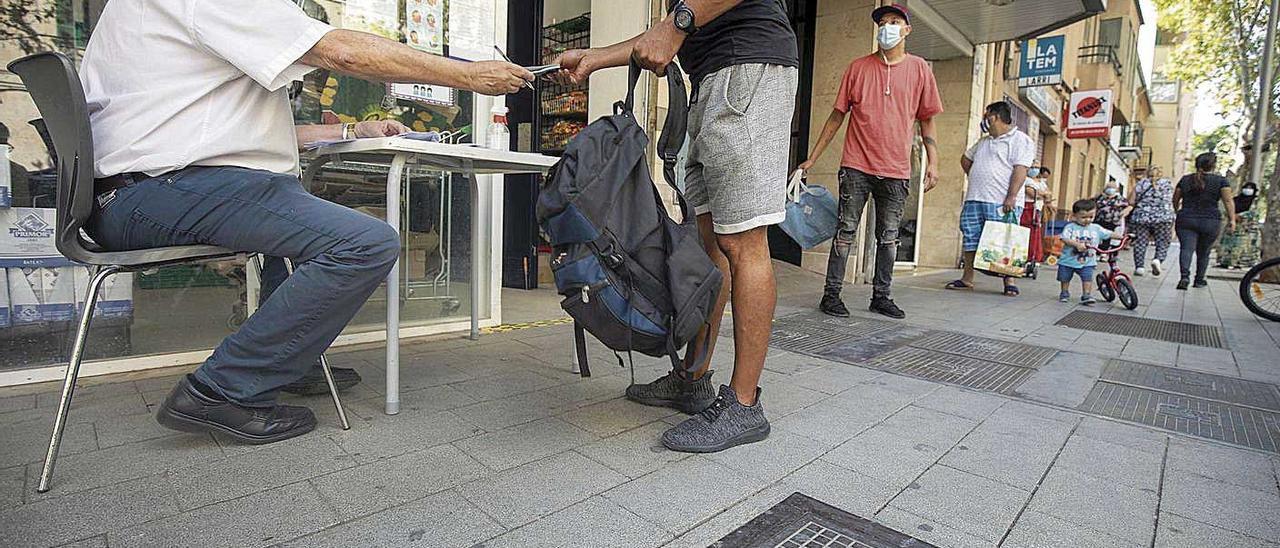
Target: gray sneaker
723, 425
670, 390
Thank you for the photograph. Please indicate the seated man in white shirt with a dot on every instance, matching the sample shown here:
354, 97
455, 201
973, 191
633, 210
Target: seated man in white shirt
194, 143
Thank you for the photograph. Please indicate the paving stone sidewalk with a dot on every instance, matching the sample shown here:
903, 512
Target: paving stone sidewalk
500, 444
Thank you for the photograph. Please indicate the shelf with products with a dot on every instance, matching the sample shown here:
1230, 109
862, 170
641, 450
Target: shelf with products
562, 105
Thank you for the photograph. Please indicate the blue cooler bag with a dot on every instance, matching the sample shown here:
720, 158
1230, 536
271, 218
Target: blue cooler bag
812, 214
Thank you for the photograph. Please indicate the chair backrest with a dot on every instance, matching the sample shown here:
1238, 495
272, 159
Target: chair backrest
55, 87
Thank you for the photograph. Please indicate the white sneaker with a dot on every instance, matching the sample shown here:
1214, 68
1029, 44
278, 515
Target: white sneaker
1140, 271
1155, 267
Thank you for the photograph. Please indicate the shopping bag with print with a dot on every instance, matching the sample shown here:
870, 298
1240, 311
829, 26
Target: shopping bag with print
1003, 249
811, 213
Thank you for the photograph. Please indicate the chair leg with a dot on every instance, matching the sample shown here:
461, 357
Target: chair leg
73, 372
324, 364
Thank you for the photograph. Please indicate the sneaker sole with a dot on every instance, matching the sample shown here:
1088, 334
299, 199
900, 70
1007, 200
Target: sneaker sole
687, 407
888, 315
750, 436
174, 420
834, 313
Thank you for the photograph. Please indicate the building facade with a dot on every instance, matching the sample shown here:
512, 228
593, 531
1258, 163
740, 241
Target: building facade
1173, 103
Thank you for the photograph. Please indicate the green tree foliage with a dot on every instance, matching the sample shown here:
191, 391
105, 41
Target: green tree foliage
1221, 52
1220, 140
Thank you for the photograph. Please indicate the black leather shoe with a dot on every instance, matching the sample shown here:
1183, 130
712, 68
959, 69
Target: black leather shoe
831, 305
886, 307
187, 410
313, 382
1183, 283
1200, 283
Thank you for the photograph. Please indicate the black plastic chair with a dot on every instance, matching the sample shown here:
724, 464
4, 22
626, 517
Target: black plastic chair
55, 88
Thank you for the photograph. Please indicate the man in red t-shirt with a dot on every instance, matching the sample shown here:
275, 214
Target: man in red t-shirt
886, 93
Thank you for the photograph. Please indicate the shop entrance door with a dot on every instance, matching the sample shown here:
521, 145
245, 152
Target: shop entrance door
801, 13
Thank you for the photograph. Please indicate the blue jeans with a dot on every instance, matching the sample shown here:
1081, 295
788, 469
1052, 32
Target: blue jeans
341, 257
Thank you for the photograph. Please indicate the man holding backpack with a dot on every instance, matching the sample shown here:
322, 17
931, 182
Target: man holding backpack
743, 60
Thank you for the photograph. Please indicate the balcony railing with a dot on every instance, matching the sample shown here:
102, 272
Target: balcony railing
1102, 53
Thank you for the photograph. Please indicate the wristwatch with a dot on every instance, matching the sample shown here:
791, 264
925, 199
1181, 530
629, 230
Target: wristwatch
684, 18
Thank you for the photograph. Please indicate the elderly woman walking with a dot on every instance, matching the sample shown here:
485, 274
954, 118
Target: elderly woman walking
1112, 206
1151, 220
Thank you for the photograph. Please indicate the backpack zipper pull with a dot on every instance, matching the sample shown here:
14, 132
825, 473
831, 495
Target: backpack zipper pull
586, 294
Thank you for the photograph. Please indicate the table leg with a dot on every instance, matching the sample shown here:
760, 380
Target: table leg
479, 223
394, 178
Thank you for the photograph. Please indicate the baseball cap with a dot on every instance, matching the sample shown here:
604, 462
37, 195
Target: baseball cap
899, 9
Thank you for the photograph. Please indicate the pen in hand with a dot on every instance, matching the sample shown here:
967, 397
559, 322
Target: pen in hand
508, 59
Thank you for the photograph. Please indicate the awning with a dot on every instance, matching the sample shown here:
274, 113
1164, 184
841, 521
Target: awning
948, 29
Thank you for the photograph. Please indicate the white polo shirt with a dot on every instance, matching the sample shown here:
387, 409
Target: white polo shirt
177, 83
993, 161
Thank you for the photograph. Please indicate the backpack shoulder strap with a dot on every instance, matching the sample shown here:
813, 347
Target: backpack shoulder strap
674, 128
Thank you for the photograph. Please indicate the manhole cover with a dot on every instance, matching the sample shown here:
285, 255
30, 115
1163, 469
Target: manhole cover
1199, 417
952, 369
1144, 328
1193, 383
1009, 353
803, 522
809, 334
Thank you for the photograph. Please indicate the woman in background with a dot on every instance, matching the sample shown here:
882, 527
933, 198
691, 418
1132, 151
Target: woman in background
1239, 248
1112, 206
1198, 220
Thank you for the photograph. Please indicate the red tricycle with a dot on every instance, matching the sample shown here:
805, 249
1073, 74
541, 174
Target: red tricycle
1113, 282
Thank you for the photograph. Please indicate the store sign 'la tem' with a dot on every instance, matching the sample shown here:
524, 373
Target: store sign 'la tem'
1041, 62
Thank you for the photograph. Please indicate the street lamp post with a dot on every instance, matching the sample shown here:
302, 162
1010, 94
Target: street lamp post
1264, 100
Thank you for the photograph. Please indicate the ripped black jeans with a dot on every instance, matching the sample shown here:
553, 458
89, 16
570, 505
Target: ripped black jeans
890, 197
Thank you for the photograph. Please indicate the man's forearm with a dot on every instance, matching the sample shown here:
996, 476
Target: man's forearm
376, 58
616, 55
1015, 182
929, 135
829, 130
312, 133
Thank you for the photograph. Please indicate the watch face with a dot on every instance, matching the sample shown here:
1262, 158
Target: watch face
684, 20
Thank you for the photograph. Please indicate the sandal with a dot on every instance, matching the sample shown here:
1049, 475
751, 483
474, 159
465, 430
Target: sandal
1011, 290
958, 284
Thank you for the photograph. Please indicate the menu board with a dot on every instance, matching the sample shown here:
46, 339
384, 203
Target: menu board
424, 25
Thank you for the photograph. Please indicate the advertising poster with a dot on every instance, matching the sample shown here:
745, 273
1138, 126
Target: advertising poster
424, 25
1089, 114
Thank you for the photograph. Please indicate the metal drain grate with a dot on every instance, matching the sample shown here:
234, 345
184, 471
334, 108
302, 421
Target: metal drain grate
807, 334
1144, 328
804, 522
1199, 417
952, 369
1192, 383
1008, 353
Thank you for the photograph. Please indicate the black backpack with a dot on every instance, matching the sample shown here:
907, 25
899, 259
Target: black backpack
631, 276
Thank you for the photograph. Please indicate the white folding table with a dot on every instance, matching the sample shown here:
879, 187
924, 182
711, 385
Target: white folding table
468, 159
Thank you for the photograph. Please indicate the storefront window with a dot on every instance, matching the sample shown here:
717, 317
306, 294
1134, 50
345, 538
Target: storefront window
192, 308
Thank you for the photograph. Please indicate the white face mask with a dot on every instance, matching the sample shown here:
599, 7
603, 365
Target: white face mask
1247, 192
889, 36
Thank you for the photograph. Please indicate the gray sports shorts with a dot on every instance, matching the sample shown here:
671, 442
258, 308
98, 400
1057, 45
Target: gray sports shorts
740, 137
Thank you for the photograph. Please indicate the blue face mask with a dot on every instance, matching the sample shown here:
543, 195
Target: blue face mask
1033, 172
1110, 191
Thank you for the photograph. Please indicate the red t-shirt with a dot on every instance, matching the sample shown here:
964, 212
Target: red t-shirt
878, 140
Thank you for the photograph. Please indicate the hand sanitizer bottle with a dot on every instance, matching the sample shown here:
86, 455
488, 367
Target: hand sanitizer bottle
499, 137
